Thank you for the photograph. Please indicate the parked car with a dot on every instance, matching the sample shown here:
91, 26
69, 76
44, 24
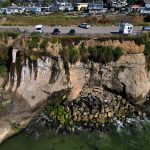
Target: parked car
72, 32
145, 11
146, 28
39, 28
56, 31
84, 25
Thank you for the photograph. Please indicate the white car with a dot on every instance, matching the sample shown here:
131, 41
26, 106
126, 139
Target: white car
39, 28
84, 25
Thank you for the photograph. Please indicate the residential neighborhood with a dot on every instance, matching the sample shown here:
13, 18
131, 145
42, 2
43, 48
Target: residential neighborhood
91, 7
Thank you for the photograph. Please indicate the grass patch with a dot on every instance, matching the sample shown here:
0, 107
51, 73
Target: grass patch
33, 42
100, 54
147, 52
3, 70
5, 35
70, 54
139, 40
44, 44
45, 20
61, 19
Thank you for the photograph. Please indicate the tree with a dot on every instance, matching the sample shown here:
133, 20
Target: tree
5, 3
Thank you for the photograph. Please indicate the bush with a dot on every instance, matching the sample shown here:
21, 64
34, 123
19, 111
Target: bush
83, 53
147, 18
33, 43
104, 54
73, 55
117, 53
4, 54
3, 70
54, 40
12, 34
70, 54
147, 52
93, 53
101, 54
44, 44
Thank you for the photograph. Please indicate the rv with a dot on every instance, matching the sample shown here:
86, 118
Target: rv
39, 28
126, 28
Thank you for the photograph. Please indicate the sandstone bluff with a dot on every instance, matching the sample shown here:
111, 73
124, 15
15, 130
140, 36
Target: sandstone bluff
32, 79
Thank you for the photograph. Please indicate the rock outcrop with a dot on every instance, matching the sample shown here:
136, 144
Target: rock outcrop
128, 77
34, 81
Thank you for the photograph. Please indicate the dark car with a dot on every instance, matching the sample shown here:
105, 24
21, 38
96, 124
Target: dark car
72, 32
56, 31
146, 28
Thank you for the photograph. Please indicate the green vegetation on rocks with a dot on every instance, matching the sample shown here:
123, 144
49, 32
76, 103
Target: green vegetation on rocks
4, 60
34, 41
3, 70
5, 35
44, 44
88, 112
84, 54
103, 54
147, 52
70, 54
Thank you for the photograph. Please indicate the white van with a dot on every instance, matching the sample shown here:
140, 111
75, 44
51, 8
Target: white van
39, 28
126, 28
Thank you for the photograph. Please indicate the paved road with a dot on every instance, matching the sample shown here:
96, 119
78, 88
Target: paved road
92, 30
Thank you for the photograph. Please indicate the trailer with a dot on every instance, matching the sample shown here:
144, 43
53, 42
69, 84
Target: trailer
126, 28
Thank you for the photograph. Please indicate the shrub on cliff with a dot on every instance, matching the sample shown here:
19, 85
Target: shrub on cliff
147, 52
4, 60
147, 18
44, 44
84, 54
103, 54
55, 40
33, 42
13, 34
117, 53
3, 70
70, 54
3, 53
93, 53
5, 35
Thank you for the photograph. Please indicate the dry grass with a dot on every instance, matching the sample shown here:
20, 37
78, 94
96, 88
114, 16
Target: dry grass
62, 20
128, 47
46, 20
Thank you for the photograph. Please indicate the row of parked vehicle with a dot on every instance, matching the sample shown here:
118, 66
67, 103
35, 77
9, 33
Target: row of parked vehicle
124, 28
56, 31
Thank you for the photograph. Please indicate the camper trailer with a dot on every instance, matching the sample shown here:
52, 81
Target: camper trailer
39, 28
126, 28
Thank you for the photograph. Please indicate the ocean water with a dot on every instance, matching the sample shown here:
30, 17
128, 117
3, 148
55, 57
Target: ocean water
128, 138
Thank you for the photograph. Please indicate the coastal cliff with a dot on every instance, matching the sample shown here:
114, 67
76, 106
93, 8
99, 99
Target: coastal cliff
37, 68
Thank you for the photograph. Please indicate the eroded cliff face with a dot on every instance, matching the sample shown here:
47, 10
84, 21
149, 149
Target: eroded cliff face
32, 82
36, 81
128, 77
